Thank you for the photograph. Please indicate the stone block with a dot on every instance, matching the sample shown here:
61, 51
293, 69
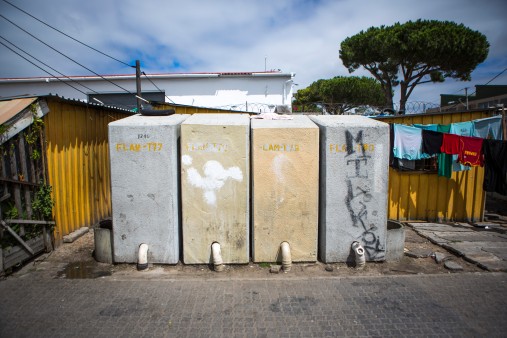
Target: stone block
285, 162
145, 187
354, 170
215, 183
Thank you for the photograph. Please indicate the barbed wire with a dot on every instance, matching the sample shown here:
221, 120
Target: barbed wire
413, 107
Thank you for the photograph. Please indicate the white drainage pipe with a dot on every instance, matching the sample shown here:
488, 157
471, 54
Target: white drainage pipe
216, 256
286, 257
359, 254
142, 257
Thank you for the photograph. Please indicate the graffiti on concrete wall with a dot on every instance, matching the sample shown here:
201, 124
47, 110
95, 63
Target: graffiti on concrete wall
213, 178
359, 200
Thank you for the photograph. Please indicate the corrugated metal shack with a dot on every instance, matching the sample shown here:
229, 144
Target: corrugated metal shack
74, 159
428, 197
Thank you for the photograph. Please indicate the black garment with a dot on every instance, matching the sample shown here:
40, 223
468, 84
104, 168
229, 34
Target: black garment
393, 161
495, 166
404, 164
431, 141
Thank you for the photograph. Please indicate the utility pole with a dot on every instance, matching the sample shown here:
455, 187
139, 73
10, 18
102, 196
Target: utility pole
138, 85
504, 123
466, 95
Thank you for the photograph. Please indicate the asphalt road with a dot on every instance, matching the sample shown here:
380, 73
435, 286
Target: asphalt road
461, 305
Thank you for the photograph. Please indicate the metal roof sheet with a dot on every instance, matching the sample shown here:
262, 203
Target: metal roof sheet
10, 108
270, 73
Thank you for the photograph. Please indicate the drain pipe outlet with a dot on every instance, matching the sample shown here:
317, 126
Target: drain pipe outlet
286, 257
216, 256
359, 254
142, 257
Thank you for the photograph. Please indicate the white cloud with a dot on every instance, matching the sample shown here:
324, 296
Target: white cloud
208, 36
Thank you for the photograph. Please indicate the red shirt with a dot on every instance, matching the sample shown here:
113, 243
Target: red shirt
470, 151
450, 144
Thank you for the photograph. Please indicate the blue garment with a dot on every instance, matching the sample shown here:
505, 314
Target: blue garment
432, 127
408, 142
461, 129
488, 128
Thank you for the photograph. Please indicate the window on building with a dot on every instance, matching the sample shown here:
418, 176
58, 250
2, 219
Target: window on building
429, 165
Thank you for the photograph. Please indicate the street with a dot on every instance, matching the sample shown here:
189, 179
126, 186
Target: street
464, 304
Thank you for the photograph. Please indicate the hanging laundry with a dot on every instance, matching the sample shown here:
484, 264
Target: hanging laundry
408, 142
432, 127
470, 151
404, 164
450, 144
431, 141
444, 160
461, 129
392, 162
490, 128
495, 166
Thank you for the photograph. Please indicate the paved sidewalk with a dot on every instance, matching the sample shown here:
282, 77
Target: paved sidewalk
461, 305
486, 247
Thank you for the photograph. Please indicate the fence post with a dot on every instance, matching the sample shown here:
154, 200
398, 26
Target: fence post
1, 261
504, 125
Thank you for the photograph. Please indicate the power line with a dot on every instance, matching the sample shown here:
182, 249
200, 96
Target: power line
45, 64
36, 38
70, 37
78, 41
157, 86
44, 70
458, 91
497, 75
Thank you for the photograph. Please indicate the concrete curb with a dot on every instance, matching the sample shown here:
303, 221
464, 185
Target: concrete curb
75, 235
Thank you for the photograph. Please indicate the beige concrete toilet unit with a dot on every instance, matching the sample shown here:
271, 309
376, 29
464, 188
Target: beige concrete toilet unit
285, 182
215, 186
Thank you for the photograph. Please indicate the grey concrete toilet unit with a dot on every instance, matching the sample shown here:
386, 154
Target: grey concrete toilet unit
354, 153
145, 187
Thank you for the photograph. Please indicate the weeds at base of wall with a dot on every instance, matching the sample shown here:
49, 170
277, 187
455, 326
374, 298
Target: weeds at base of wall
42, 208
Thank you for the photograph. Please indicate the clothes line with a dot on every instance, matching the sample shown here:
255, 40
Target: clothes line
458, 147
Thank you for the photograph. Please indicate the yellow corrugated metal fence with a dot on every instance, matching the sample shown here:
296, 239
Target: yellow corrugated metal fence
183, 109
427, 196
78, 164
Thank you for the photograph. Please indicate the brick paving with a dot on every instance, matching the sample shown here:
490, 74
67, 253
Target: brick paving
461, 305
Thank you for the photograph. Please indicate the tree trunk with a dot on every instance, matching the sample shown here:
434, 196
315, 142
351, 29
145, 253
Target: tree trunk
403, 97
388, 92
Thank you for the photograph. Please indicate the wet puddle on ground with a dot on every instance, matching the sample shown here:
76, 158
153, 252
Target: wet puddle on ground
83, 270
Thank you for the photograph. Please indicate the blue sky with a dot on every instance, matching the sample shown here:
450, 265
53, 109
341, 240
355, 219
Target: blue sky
216, 36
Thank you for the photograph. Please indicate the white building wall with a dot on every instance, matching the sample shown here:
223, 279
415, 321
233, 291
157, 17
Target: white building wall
250, 91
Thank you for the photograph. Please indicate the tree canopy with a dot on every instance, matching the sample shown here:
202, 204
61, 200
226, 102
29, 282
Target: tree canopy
412, 53
341, 93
